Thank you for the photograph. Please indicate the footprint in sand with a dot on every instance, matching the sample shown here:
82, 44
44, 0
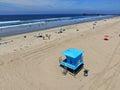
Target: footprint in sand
11, 60
14, 50
1, 63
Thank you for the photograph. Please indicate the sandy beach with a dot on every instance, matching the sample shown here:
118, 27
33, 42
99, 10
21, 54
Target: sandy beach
28, 62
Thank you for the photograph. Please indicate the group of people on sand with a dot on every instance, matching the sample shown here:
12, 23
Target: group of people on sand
48, 36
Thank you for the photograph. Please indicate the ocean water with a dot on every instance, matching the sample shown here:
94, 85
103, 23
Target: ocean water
17, 24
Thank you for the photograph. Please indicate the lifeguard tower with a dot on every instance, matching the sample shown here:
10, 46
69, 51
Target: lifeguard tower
73, 59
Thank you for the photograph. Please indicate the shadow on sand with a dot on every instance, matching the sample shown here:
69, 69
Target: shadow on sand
72, 72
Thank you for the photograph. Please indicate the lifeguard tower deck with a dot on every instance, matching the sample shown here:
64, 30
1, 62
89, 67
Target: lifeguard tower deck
73, 58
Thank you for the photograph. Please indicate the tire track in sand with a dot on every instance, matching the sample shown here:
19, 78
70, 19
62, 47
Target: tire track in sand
109, 76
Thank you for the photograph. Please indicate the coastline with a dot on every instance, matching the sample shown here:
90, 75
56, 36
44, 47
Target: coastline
32, 63
57, 28
35, 26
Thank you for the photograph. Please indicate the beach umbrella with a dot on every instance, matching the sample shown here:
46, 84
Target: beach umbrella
106, 37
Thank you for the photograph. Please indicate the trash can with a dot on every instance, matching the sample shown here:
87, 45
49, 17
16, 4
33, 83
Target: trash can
85, 73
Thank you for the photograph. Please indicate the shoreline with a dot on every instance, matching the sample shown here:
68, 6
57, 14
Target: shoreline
55, 27
26, 28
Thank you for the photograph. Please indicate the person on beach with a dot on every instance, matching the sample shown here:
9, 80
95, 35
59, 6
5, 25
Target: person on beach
94, 24
61, 30
48, 36
43, 37
25, 36
40, 35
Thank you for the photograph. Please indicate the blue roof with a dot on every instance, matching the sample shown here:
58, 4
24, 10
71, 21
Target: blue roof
72, 52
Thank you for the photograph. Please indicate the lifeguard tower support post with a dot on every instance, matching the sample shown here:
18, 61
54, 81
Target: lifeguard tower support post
73, 59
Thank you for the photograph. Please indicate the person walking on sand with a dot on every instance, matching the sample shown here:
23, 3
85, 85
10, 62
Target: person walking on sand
43, 37
49, 36
46, 35
94, 24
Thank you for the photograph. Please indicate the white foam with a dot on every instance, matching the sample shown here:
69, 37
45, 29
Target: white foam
5, 22
22, 25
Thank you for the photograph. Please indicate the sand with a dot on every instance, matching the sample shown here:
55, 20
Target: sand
32, 63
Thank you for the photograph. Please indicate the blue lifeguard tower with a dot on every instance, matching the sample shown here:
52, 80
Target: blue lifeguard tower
73, 59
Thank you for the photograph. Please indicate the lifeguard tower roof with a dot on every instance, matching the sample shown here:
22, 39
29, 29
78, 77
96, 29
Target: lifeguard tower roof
72, 52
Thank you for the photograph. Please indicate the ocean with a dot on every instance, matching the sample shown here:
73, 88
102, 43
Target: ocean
17, 24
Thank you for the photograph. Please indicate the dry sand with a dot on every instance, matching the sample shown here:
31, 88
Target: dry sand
32, 63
